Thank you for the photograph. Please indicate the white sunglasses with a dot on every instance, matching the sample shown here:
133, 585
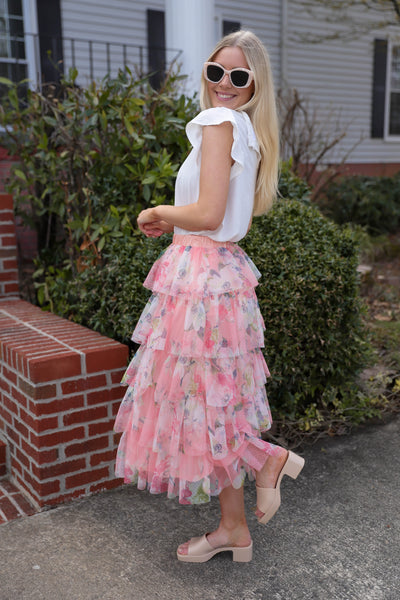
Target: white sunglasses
239, 77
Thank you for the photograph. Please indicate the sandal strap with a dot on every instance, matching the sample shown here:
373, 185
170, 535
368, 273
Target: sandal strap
198, 546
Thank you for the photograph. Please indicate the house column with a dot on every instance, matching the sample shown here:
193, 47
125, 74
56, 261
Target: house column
190, 27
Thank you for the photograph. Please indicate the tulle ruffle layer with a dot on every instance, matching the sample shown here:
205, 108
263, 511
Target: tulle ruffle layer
187, 267
196, 402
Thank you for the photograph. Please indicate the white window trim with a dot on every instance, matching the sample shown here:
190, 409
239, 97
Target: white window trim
387, 136
31, 41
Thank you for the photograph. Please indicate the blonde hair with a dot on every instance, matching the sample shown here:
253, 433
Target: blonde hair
262, 111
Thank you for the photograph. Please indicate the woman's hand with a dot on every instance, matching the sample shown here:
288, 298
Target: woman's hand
151, 226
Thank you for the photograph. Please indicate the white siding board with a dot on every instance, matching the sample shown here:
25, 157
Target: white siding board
117, 22
263, 18
336, 75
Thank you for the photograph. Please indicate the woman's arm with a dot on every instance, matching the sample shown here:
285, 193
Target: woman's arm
209, 210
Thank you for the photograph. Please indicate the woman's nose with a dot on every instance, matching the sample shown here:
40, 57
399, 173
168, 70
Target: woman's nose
225, 80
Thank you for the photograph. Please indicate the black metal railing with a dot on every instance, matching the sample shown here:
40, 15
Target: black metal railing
93, 59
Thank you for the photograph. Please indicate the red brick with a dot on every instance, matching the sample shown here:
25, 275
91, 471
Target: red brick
60, 499
11, 288
39, 425
58, 437
9, 276
71, 387
8, 509
11, 263
116, 376
57, 406
19, 397
23, 430
59, 469
102, 457
24, 505
99, 397
8, 486
106, 485
12, 435
6, 228
52, 368
29, 492
27, 388
3, 450
10, 375
23, 459
45, 392
9, 241
42, 488
85, 416
3, 470
101, 427
99, 443
115, 407
6, 200
10, 405
40, 457
96, 381
105, 359
86, 477
4, 386
7, 416
118, 392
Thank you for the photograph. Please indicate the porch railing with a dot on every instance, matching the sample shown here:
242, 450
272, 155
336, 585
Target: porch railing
43, 57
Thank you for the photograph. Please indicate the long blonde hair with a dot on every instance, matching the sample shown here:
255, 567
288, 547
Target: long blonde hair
262, 111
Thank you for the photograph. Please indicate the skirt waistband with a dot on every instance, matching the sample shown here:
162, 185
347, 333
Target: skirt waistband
199, 240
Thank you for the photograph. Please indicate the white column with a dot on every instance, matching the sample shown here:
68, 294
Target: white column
190, 27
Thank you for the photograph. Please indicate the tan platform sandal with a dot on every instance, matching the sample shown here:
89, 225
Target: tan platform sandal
269, 499
200, 551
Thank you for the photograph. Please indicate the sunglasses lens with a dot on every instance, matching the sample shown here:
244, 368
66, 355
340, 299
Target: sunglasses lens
239, 78
214, 73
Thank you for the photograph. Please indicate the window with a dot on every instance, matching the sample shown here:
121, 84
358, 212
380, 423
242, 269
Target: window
230, 26
156, 46
13, 63
394, 91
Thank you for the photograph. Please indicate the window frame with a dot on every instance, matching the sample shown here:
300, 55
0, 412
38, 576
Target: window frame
389, 137
29, 20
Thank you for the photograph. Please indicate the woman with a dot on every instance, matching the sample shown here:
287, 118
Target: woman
196, 403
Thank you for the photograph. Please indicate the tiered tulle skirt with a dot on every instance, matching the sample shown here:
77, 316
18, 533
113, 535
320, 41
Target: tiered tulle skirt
196, 403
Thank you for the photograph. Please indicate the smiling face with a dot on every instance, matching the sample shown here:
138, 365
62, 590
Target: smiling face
224, 93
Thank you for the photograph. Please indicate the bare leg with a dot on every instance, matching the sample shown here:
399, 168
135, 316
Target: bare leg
232, 529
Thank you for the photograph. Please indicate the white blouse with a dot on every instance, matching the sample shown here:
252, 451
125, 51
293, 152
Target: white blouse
246, 156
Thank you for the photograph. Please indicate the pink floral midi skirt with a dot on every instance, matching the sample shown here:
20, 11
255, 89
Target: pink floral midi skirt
196, 403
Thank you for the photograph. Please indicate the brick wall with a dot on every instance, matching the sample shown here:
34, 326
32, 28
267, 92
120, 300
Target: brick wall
8, 249
59, 393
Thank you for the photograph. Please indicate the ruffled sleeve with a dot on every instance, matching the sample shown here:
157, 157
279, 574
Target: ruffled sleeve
216, 116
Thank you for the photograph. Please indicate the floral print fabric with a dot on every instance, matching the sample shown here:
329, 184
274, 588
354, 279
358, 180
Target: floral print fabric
196, 403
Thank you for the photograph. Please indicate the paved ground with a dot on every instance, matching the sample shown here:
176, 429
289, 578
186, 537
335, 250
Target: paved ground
336, 537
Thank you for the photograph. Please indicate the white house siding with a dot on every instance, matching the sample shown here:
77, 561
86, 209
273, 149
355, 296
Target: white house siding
117, 22
336, 77
260, 16
124, 22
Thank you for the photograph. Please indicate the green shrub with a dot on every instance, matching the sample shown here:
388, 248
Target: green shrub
291, 186
373, 202
91, 158
309, 297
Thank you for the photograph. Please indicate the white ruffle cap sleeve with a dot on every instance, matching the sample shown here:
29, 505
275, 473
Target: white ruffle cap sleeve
216, 116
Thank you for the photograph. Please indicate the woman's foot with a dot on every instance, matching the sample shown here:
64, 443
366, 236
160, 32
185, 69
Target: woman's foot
269, 480
238, 538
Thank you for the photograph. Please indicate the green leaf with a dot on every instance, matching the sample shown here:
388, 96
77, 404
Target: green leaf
20, 174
